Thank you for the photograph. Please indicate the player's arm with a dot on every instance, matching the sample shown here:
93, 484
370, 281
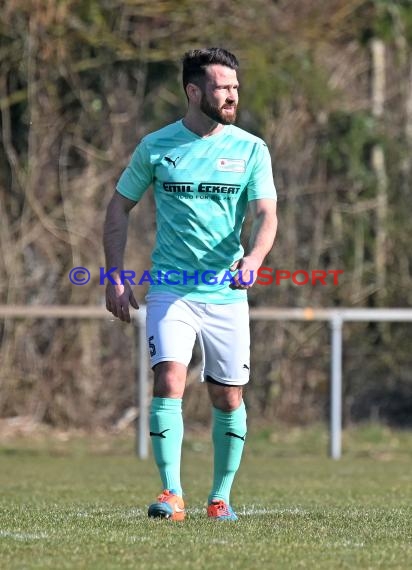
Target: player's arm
261, 240
118, 295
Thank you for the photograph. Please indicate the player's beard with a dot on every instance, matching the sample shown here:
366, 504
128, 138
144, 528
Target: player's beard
216, 114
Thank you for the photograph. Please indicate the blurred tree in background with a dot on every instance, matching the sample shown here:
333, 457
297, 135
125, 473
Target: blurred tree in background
327, 85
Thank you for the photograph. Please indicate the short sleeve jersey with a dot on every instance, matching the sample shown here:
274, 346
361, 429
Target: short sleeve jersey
202, 186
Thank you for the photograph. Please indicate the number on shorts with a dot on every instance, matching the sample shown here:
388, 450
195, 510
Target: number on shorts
152, 346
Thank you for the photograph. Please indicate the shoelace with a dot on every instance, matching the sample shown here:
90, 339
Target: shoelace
222, 508
163, 497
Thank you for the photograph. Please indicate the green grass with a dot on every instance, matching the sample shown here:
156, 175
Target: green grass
82, 504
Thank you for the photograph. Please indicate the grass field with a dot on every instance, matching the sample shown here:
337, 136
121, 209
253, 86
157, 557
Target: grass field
82, 504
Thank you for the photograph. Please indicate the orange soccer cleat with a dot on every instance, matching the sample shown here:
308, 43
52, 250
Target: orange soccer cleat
168, 506
219, 510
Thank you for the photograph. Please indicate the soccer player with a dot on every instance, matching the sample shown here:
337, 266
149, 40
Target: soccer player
205, 173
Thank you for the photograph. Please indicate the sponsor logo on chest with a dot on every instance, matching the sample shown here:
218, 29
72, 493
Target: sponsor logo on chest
231, 165
202, 188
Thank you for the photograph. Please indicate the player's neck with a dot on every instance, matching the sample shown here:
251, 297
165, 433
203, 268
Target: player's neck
201, 125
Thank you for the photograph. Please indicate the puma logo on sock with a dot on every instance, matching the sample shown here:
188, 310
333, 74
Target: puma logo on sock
235, 435
152, 433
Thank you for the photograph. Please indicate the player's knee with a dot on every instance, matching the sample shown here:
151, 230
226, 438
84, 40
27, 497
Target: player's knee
228, 405
225, 398
169, 381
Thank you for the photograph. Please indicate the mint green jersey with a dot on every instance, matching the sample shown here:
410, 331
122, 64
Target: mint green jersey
201, 188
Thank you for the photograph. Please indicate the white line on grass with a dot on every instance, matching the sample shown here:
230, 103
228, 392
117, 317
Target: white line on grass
130, 514
22, 535
255, 511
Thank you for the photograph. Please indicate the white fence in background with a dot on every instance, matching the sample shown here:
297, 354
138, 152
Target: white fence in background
335, 317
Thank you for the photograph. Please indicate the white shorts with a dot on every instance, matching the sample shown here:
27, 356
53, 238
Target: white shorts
173, 323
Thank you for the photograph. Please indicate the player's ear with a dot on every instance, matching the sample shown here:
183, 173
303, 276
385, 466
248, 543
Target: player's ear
193, 92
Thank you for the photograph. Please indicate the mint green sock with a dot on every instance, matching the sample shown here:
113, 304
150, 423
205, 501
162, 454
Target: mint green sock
228, 434
166, 431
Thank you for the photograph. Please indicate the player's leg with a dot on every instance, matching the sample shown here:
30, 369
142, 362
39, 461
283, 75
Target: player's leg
171, 336
166, 432
228, 434
166, 422
226, 371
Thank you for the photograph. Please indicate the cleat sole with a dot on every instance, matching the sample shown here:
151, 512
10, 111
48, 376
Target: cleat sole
160, 510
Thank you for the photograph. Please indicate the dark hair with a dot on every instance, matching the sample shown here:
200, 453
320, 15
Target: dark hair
195, 62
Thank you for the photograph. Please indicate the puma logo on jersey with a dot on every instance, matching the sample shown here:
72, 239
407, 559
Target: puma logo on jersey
171, 161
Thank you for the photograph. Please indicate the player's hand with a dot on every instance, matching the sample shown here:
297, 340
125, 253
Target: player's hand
118, 298
247, 272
